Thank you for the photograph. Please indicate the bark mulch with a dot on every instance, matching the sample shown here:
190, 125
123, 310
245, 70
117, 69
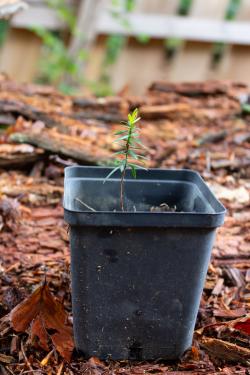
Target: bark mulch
203, 126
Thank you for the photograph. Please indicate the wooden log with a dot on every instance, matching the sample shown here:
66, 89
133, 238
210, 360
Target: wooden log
195, 88
185, 111
58, 143
35, 104
31, 190
212, 138
15, 155
109, 104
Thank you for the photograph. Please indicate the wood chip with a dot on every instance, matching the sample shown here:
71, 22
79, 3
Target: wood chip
226, 350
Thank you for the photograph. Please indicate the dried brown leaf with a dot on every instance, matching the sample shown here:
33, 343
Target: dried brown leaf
44, 313
38, 331
6, 358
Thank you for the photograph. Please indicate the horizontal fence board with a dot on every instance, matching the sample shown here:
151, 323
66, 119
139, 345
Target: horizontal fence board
37, 16
139, 63
192, 60
187, 28
158, 26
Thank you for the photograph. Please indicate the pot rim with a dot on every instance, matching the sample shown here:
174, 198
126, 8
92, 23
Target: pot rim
144, 218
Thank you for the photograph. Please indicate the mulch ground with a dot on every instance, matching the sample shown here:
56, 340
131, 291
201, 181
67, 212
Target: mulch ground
204, 127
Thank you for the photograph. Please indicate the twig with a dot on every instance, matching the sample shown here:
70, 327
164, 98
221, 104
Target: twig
208, 162
10, 371
85, 205
25, 358
46, 359
3, 370
59, 372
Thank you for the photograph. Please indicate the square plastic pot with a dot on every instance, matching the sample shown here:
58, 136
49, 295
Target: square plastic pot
137, 276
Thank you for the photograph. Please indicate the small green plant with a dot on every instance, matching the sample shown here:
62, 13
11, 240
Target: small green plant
128, 157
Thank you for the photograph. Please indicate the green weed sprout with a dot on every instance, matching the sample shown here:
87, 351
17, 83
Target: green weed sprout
128, 157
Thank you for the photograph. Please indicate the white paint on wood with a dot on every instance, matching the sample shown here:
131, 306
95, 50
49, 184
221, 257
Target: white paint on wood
187, 28
10, 7
38, 16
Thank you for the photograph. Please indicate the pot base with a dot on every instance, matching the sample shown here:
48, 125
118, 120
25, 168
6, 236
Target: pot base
136, 291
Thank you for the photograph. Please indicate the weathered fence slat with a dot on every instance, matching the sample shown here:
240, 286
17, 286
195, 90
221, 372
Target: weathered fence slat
138, 63
187, 28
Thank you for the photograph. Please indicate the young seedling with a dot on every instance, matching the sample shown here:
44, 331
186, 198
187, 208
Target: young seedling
128, 157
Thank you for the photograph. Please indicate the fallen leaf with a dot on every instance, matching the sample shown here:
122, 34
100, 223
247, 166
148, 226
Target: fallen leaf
47, 319
38, 332
243, 325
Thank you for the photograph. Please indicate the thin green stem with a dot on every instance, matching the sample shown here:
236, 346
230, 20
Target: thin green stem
125, 167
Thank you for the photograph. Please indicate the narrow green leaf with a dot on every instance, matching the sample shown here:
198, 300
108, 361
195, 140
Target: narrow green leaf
122, 167
117, 162
120, 132
139, 142
133, 171
124, 123
111, 173
136, 120
121, 138
135, 134
134, 147
137, 166
134, 114
119, 153
246, 108
130, 119
133, 154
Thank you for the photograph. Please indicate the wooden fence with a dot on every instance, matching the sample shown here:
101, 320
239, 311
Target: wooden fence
138, 64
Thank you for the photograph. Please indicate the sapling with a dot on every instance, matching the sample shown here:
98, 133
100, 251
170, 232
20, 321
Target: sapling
128, 155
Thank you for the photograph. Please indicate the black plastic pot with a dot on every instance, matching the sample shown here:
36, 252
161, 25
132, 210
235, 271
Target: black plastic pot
137, 277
